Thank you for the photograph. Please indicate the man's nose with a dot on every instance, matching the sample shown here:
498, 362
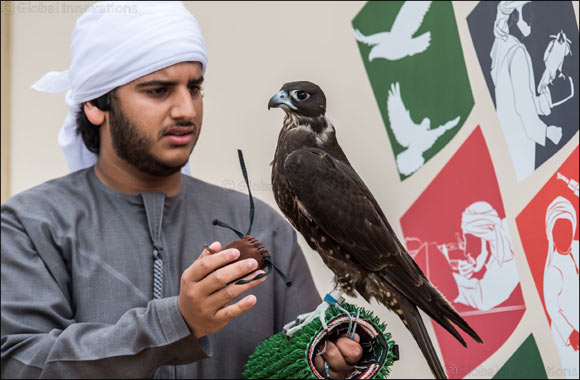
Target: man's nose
184, 105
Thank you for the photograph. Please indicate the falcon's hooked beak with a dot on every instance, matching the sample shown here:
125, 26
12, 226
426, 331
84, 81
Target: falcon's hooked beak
281, 100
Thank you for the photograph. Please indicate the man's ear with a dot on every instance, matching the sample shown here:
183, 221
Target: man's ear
95, 115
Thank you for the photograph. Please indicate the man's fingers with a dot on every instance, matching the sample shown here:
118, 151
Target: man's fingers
319, 364
223, 276
350, 349
213, 248
230, 312
208, 263
232, 291
340, 356
356, 337
335, 360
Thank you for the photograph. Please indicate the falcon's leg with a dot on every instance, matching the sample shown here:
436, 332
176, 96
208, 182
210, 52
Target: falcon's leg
332, 298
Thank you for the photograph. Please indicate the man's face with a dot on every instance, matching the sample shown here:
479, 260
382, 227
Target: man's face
155, 120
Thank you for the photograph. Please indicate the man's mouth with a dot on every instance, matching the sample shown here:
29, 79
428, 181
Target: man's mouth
179, 131
179, 135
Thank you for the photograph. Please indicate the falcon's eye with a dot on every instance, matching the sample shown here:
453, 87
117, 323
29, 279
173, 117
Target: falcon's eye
299, 95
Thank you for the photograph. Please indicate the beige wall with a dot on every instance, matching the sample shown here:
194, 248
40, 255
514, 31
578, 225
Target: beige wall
5, 117
254, 47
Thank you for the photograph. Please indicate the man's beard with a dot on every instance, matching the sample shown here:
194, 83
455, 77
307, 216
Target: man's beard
135, 147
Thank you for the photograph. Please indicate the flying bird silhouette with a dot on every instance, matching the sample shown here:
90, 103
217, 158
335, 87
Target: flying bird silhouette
323, 197
399, 42
417, 138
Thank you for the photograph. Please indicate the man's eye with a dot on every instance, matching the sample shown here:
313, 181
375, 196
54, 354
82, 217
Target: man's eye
196, 90
158, 91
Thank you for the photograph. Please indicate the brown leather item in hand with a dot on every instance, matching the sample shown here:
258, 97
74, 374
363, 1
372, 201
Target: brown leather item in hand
250, 248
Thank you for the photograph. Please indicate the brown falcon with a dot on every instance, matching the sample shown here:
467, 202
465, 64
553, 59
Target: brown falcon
328, 203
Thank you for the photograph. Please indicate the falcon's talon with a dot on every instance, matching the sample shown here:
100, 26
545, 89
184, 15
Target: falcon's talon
333, 298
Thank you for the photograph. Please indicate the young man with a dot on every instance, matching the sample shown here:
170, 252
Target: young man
100, 269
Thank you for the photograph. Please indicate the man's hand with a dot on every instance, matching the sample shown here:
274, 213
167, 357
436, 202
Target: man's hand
206, 290
340, 356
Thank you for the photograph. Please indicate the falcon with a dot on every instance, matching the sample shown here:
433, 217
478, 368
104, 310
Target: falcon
556, 52
324, 198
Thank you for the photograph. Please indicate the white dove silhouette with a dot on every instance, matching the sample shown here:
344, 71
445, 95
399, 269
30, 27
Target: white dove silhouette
398, 43
417, 138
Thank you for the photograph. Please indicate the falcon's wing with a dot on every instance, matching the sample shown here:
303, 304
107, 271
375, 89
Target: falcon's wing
337, 200
410, 17
399, 117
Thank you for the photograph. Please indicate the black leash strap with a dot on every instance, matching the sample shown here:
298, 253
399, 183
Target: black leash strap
245, 173
268, 260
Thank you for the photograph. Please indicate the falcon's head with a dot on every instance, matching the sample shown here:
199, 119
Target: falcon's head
302, 98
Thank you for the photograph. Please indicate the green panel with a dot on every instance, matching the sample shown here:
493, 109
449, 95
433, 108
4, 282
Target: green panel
433, 83
525, 363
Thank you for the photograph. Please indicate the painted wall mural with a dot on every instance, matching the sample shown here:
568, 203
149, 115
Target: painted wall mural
528, 53
457, 232
413, 58
457, 229
548, 226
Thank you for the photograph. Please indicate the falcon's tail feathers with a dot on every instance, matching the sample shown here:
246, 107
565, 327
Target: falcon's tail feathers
444, 313
415, 324
437, 307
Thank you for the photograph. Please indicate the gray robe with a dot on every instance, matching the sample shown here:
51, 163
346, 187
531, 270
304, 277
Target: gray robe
77, 281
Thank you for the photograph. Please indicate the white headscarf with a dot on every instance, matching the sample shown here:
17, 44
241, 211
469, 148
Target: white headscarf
501, 32
114, 43
560, 208
504, 10
481, 220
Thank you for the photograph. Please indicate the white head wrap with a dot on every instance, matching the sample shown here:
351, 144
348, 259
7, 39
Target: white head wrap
481, 220
504, 10
560, 208
114, 43
501, 32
